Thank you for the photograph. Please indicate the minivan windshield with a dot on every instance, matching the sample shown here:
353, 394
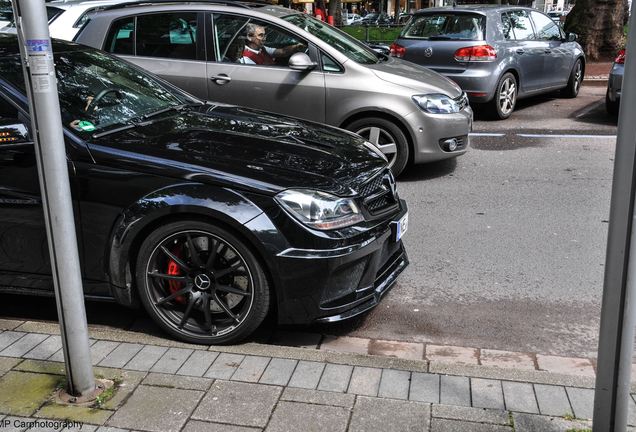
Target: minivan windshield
446, 26
335, 38
98, 91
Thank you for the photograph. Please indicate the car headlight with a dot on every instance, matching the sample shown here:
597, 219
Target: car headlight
320, 210
437, 103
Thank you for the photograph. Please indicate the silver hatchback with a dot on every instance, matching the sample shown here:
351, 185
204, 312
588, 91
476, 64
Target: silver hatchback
313, 71
497, 54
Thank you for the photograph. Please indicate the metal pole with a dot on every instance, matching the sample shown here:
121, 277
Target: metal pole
618, 313
39, 73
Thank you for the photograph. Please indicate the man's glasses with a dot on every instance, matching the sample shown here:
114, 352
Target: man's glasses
260, 35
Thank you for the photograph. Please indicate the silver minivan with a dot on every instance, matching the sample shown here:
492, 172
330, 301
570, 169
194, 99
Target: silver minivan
412, 114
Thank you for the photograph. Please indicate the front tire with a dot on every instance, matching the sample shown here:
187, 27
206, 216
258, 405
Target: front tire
505, 100
387, 136
201, 284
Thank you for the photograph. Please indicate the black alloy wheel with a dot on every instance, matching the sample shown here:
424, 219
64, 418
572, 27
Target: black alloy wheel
201, 284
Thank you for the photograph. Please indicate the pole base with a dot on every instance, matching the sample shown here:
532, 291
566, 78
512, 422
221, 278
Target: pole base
63, 397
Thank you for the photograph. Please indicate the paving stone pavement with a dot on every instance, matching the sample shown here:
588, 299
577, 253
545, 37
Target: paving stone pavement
175, 387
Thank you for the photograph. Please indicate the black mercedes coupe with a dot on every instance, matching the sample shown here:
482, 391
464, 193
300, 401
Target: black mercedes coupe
209, 215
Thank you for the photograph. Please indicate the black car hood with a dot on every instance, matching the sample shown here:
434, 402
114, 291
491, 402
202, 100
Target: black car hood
244, 148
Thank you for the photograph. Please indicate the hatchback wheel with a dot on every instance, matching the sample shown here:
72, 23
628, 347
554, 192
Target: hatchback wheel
574, 83
388, 137
201, 284
503, 104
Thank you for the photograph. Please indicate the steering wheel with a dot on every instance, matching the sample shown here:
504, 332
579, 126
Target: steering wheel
92, 106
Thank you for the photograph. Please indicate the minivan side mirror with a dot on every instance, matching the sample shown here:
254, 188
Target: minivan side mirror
13, 131
571, 37
301, 62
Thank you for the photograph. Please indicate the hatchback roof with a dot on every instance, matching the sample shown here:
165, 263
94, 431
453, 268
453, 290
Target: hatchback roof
237, 3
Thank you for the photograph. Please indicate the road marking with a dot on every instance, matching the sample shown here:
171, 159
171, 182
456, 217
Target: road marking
565, 136
486, 134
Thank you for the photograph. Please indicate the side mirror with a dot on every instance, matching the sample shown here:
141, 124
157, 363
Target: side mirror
301, 62
572, 37
12, 131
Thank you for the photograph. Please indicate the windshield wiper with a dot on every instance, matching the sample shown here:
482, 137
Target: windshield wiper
439, 38
144, 119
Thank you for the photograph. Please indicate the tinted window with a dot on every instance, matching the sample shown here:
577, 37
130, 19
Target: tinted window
521, 25
229, 37
446, 26
169, 35
52, 13
546, 28
120, 39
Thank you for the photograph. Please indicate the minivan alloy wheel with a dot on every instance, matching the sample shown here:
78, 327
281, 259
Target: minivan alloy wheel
201, 285
387, 136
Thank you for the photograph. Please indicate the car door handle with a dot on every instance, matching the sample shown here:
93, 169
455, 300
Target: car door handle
520, 51
221, 79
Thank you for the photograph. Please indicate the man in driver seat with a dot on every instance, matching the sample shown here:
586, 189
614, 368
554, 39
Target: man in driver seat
255, 51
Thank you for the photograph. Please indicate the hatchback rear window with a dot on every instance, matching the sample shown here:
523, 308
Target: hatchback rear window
446, 26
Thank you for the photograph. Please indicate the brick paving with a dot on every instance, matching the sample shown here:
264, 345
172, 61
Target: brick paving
330, 386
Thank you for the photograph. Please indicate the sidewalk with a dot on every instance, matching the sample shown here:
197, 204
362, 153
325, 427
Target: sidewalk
597, 73
166, 386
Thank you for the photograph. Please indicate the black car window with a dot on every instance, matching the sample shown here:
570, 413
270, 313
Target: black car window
329, 64
167, 35
446, 26
546, 28
7, 110
98, 91
506, 27
521, 25
243, 40
120, 39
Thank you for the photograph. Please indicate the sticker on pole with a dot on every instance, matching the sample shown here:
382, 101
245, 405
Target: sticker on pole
38, 45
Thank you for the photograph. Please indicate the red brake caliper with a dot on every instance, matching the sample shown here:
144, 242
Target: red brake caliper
173, 270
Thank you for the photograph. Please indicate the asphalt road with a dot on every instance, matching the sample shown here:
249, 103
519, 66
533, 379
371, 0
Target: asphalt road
507, 243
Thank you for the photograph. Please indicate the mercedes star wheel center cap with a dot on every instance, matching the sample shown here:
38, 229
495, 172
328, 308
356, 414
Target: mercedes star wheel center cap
202, 281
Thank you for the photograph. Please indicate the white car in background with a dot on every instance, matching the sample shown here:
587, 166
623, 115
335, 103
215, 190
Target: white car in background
65, 18
351, 18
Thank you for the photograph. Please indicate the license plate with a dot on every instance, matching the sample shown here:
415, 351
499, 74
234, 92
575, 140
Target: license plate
400, 227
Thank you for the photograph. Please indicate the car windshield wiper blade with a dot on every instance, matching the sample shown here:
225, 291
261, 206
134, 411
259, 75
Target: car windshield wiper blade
144, 119
439, 38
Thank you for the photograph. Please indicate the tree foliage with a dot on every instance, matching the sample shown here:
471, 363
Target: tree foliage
599, 24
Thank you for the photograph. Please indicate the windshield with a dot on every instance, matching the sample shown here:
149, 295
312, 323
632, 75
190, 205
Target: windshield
446, 26
98, 91
335, 38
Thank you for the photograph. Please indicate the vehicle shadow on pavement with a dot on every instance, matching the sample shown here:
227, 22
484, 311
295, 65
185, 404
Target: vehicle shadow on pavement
429, 171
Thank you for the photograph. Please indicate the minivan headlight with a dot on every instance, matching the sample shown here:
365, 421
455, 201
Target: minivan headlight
437, 103
320, 210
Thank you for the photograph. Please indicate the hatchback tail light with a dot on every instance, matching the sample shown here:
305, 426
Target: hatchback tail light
620, 57
397, 50
479, 53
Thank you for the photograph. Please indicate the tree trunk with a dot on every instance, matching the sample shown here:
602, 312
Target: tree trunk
335, 10
599, 24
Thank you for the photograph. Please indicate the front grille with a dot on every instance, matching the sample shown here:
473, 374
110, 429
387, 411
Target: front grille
379, 194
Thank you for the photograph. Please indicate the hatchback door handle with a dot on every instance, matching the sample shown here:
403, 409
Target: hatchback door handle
520, 51
221, 79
